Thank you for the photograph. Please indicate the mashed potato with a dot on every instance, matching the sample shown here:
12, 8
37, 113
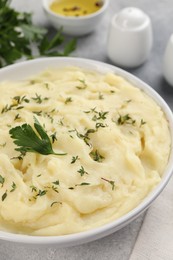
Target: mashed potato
117, 145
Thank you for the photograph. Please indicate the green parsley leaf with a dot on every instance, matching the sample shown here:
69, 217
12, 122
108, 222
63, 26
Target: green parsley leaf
28, 141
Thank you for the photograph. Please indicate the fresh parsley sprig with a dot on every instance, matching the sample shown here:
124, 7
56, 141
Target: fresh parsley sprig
28, 140
18, 34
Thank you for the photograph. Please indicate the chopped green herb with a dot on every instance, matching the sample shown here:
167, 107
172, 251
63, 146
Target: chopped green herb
126, 119
142, 122
15, 106
61, 122
17, 117
97, 156
92, 110
13, 187
85, 137
20, 99
38, 99
28, 141
20, 157
83, 184
100, 125
4, 196
82, 171
84, 85
7, 108
56, 182
33, 188
46, 85
100, 116
53, 136
41, 193
20, 107
38, 113
128, 101
54, 188
55, 202
112, 183
68, 100
2, 180
74, 159
90, 131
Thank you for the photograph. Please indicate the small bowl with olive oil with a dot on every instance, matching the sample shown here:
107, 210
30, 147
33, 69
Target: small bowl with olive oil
76, 17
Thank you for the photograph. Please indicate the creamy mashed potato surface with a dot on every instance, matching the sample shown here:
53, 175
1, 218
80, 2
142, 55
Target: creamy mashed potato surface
117, 145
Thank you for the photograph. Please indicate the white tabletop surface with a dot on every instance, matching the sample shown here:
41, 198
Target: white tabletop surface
117, 246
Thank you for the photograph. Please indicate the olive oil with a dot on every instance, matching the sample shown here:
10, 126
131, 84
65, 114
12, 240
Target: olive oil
75, 7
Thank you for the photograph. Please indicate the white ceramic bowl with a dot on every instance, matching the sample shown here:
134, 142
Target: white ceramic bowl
75, 25
28, 68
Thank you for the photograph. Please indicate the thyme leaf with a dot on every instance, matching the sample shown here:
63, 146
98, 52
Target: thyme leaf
4, 196
41, 193
142, 122
2, 180
14, 186
126, 119
82, 171
38, 98
74, 159
112, 183
83, 84
68, 100
55, 202
96, 156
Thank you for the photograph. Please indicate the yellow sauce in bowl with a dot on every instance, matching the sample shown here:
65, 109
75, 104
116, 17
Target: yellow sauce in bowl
75, 7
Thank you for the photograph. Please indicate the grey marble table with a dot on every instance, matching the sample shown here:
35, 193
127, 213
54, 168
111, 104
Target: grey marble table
117, 246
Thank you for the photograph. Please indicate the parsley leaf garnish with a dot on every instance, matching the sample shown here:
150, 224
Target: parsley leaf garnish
28, 140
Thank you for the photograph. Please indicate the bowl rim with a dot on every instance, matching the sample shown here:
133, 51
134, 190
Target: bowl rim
98, 232
45, 4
